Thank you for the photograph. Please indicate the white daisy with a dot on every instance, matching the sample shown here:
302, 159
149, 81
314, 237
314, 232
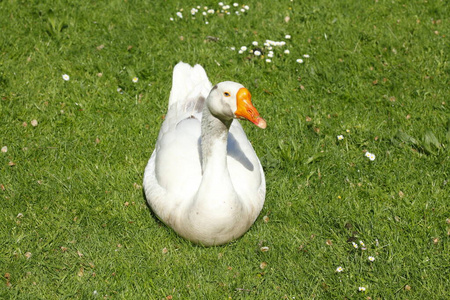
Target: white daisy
135, 79
268, 60
66, 77
255, 43
243, 48
306, 55
287, 51
300, 61
340, 137
180, 15
339, 269
287, 37
371, 258
362, 289
257, 53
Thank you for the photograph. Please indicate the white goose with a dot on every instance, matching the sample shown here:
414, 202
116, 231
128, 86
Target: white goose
204, 179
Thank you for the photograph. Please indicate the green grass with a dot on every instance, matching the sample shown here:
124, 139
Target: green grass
73, 198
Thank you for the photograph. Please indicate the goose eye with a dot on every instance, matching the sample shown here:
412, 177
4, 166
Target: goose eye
226, 94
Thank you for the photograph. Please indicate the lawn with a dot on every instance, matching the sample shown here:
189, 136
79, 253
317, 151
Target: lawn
359, 77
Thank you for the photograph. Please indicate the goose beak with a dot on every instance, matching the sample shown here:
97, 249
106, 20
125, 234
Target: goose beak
246, 110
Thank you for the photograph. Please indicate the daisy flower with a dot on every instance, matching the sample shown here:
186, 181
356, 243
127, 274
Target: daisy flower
306, 55
4, 149
300, 61
340, 137
287, 51
268, 60
243, 48
180, 15
246, 7
287, 37
270, 54
355, 245
220, 3
371, 258
135, 79
235, 4
255, 43
362, 243
339, 269
362, 289
257, 53
369, 155
66, 77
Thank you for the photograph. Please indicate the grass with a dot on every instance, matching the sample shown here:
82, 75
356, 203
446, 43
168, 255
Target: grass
74, 223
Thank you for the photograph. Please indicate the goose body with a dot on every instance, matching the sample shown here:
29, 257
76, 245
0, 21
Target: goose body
204, 179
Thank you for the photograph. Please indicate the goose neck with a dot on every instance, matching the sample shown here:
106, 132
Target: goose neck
214, 142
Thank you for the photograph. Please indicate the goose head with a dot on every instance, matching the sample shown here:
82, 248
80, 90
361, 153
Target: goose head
230, 100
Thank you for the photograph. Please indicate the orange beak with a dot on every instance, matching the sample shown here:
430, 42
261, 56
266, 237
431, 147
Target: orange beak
246, 110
